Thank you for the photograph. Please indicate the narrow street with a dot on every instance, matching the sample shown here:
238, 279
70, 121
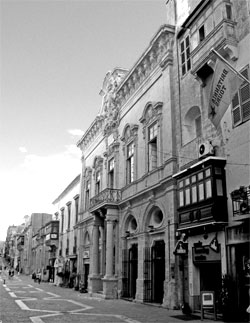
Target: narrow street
23, 300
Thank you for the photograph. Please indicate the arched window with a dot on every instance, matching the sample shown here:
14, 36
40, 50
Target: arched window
192, 125
129, 138
151, 120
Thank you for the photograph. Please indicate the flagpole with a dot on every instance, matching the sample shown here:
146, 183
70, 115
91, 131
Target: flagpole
229, 65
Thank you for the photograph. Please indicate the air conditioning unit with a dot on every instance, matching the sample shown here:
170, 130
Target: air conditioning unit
205, 149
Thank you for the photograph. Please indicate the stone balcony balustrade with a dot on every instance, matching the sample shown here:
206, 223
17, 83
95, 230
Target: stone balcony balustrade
107, 197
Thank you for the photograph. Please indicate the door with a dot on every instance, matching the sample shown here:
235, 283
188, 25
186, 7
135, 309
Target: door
210, 278
158, 271
133, 263
86, 275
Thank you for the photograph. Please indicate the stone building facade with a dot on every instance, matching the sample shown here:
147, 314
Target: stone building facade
66, 249
213, 159
127, 215
164, 194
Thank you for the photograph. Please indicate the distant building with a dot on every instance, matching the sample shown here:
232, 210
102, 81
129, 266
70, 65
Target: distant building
66, 208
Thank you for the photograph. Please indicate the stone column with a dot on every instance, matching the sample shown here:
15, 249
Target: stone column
95, 283
109, 248
95, 250
109, 281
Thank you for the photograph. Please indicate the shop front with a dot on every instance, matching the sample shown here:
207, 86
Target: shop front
238, 248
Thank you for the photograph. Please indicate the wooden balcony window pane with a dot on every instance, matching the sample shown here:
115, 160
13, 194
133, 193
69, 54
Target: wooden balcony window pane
194, 194
208, 172
201, 191
181, 198
187, 196
217, 171
193, 179
200, 176
208, 189
219, 187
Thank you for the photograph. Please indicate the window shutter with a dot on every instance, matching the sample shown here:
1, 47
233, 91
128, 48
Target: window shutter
236, 110
245, 98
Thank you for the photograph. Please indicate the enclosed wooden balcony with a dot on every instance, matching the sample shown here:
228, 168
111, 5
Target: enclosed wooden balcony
202, 199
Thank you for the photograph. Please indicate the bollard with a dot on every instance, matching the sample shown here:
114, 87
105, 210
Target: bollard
4, 281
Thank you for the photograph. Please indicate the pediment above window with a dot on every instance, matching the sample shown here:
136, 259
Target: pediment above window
88, 172
129, 132
151, 112
98, 162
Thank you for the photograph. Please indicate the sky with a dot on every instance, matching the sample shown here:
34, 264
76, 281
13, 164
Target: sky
54, 56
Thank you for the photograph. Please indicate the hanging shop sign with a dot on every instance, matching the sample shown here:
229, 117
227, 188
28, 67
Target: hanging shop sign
203, 253
181, 248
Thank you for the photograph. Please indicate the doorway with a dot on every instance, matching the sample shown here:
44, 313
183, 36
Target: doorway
86, 275
210, 278
158, 271
133, 263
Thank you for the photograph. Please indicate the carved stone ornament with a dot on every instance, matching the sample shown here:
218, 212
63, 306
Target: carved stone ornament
110, 110
129, 132
159, 53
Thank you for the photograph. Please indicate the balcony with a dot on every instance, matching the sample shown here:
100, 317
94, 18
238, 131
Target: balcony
202, 195
241, 202
108, 197
51, 239
222, 38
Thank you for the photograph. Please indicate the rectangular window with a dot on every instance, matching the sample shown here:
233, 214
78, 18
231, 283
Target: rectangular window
130, 163
193, 179
194, 194
219, 187
111, 167
87, 195
181, 198
76, 208
69, 214
187, 196
198, 126
185, 56
228, 12
241, 102
97, 183
152, 147
201, 33
208, 189
200, 176
62, 220
208, 172
201, 191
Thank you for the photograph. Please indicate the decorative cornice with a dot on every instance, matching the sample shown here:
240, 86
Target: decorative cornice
68, 188
159, 53
120, 84
95, 128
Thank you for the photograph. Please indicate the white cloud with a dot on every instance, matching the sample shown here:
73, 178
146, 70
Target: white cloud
23, 149
35, 184
76, 132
